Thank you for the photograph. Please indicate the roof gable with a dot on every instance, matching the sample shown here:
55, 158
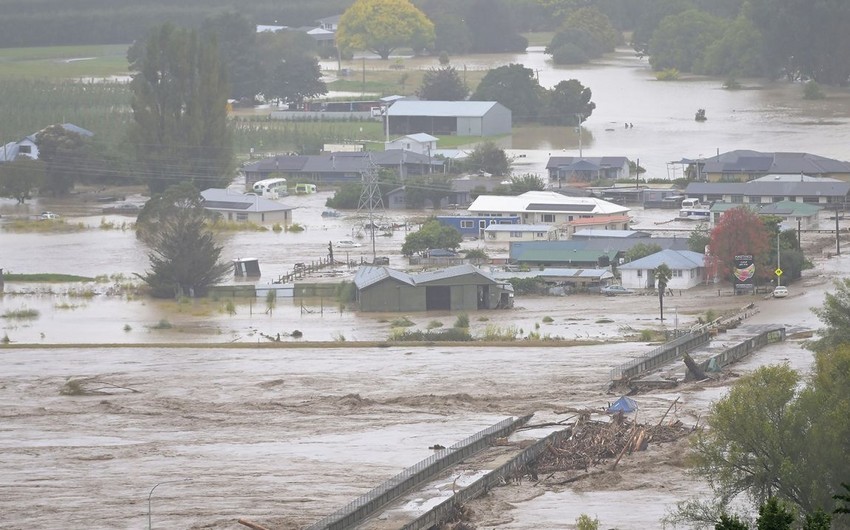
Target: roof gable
675, 259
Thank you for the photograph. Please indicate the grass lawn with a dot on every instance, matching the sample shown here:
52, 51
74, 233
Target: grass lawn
61, 62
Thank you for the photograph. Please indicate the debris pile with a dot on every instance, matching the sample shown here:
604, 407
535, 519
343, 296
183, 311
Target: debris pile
592, 443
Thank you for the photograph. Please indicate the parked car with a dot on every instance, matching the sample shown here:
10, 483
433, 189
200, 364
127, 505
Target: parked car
347, 243
48, 216
613, 290
780, 291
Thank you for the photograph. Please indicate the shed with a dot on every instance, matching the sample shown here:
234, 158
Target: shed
421, 143
461, 118
459, 288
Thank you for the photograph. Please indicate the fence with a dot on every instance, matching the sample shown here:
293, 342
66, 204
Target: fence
660, 355
741, 350
501, 475
367, 504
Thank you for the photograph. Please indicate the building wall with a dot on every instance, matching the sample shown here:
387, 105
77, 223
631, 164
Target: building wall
281, 216
470, 226
497, 121
507, 237
391, 296
469, 126
640, 278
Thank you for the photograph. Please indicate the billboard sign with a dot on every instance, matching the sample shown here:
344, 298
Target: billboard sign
744, 271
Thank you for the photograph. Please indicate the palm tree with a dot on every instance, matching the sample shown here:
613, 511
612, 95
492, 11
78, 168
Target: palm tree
662, 276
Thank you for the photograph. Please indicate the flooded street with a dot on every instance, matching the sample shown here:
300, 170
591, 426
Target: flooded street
285, 435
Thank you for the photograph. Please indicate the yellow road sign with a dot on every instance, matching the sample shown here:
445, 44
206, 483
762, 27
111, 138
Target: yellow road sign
778, 272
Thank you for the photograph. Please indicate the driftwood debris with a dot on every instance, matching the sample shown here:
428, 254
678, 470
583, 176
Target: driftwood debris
694, 368
249, 524
593, 443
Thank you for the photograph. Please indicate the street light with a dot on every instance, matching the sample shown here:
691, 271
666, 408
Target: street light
156, 486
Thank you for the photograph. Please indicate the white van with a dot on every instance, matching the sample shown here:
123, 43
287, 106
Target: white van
303, 189
271, 188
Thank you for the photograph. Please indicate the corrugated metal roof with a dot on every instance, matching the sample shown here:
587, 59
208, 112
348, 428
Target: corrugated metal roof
368, 275
747, 161
767, 188
544, 202
556, 273
451, 272
675, 259
601, 161
221, 199
471, 109
518, 228
589, 232
790, 208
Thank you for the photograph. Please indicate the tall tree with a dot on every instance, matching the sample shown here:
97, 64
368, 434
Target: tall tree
489, 158
180, 111
184, 257
528, 182
740, 231
442, 84
294, 78
568, 103
491, 28
65, 155
381, 26
515, 87
236, 37
774, 515
662, 278
681, 40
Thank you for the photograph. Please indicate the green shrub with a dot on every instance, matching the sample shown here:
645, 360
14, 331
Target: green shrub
497, 333
668, 74
646, 335
462, 321
584, 522
434, 324
446, 335
402, 322
548, 320
812, 90
21, 314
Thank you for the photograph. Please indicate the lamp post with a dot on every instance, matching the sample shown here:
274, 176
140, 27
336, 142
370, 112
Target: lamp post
156, 486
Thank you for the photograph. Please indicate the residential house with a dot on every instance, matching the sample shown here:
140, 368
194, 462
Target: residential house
459, 288
601, 222
508, 233
745, 165
337, 168
592, 233
474, 225
27, 147
793, 215
461, 118
235, 206
586, 169
828, 193
592, 252
688, 270
544, 207
421, 143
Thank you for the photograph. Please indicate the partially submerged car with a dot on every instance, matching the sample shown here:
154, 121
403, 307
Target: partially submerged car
614, 290
780, 291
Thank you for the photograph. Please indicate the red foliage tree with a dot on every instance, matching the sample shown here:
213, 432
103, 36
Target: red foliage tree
741, 231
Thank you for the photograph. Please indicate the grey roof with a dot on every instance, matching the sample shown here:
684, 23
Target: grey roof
518, 228
70, 127
675, 259
787, 208
225, 200
556, 274
589, 232
556, 162
605, 245
442, 108
342, 162
828, 188
368, 275
746, 161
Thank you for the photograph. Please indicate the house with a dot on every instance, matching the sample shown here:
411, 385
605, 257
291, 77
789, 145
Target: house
592, 233
337, 167
329, 23
461, 118
688, 270
459, 288
27, 146
793, 214
824, 192
421, 143
544, 207
507, 233
597, 223
745, 165
586, 169
235, 206
574, 279
474, 225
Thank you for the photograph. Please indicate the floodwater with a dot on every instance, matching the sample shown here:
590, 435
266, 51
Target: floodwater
285, 436
763, 116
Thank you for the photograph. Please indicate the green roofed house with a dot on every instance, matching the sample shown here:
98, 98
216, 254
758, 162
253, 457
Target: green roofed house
459, 288
793, 214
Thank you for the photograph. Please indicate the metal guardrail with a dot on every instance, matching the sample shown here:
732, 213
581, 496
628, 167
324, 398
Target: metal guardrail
742, 349
367, 504
660, 355
499, 476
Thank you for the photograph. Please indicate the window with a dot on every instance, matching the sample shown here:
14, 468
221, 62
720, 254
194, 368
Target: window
540, 234
737, 199
548, 218
516, 234
811, 199
467, 224
677, 273
25, 149
241, 216
640, 273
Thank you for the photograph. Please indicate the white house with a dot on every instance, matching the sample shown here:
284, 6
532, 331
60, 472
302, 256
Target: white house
498, 233
28, 148
544, 207
688, 270
235, 206
421, 143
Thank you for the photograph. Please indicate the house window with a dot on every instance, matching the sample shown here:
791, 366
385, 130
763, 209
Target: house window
467, 224
541, 234
737, 199
25, 149
677, 273
241, 216
811, 199
640, 273
548, 217
516, 234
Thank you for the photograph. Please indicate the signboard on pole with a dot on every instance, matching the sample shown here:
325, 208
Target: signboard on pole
744, 272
